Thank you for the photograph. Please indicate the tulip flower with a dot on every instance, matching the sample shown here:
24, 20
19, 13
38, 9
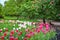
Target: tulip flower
32, 33
6, 29
19, 33
27, 30
2, 38
25, 39
12, 32
47, 27
5, 34
28, 35
0, 30
41, 26
11, 38
43, 30
38, 30
16, 39
16, 30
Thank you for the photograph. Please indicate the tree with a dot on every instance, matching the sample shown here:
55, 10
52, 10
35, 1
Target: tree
32, 9
57, 6
1, 14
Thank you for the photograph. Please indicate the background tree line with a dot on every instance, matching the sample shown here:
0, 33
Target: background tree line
31, 9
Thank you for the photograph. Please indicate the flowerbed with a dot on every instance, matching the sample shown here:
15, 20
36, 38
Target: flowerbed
10, 31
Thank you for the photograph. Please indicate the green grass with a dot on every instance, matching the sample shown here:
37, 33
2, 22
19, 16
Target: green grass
10, 18
20, 18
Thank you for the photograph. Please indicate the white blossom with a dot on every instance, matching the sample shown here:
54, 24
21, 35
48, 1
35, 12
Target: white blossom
4, 28
19, 27
17, 21
29, 23
22, 37
14, 25
34, 23
25, 23
13, 28
22, 25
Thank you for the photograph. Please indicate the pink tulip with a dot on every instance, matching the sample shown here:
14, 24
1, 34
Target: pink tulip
11, 34
27, 30
41, 26
43, 30
32, 33
28, 35
11, 38
47, 29
38, 30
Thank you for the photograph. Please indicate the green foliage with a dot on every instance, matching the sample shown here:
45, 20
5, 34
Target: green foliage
0, 9
57, 6
33, 9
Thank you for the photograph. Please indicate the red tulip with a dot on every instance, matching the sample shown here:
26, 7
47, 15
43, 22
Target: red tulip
32, 33
6, 29
2, 38
28, 35
25, 39
16, 38
38, 30
11, 38
12, 32
19, 33
0, 30
16, 30
5, 34
27, 30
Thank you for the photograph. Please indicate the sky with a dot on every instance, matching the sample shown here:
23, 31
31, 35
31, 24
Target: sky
2, 1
